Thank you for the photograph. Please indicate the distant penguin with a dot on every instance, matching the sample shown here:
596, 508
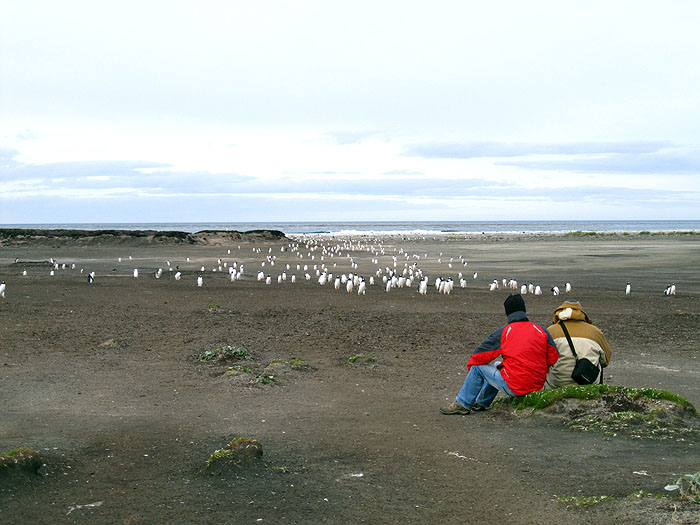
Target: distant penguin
159, 272
3, 286
628, 288
200, 281
523, 290
177, 276
567, 288
538, 290
555, 290
91, 278
672, 291
362, 287
24, 272
136, 272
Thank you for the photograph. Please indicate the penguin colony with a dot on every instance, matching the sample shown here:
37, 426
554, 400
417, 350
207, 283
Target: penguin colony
394, 268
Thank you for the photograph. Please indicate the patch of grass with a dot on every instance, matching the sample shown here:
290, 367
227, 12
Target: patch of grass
265, 379
544, 398
22, 458
218, 455
583, 501
298, 364
225, 352
239, 368
360, 357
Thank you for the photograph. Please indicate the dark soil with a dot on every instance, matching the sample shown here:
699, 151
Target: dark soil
106, 382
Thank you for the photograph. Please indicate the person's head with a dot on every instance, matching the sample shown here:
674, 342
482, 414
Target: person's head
514, 303
571, 309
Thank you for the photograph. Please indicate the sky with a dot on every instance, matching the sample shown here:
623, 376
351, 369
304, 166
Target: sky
278, 111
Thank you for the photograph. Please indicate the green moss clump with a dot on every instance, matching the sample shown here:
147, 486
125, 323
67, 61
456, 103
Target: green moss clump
219, 455
359, 357
544, 398
225, 352
21, 459
298, 364
240, 450
583, 501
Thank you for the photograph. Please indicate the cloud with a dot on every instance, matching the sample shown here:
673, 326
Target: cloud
470, 150
658, 162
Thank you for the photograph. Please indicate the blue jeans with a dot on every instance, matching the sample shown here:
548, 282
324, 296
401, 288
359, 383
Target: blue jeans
481, 385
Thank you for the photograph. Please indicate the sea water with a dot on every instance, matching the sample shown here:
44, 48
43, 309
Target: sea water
390, 228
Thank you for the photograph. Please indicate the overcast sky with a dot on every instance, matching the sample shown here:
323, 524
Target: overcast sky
233, 111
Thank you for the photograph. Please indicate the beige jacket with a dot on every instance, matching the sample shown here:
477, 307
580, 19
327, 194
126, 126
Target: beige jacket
588, 340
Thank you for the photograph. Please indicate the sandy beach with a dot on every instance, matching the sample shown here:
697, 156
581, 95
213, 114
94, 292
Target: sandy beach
110, 382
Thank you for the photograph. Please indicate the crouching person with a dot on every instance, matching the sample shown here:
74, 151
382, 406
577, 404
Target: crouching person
589, 343
527, 351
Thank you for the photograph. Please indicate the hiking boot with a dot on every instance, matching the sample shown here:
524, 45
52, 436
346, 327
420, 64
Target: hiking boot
455, 409
479, 408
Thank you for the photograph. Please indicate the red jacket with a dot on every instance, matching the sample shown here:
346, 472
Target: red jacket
527, 349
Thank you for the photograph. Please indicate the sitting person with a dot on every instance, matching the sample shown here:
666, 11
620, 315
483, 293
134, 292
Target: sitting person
589, 342
527, 350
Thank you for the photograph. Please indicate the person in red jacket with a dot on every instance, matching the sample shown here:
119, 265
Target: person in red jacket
527, 351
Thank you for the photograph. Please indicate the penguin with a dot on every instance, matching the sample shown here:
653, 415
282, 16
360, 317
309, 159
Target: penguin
567, 288
200, 281
628, 289
3, 286
136, 272
555, 290
90, 278
177, 276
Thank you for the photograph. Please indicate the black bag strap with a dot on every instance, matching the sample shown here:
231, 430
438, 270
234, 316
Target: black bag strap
573, 350
568, 338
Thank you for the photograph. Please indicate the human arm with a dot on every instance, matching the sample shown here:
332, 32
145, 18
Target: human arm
488, 350
551, 350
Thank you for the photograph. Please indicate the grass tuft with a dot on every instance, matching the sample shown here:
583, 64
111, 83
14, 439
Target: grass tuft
544, 398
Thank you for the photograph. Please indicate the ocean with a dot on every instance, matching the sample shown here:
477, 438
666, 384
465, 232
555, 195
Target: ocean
391, 228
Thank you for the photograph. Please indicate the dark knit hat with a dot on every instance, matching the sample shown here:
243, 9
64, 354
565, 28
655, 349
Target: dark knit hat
514, 303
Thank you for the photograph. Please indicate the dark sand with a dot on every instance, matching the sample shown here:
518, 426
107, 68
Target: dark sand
103, 381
